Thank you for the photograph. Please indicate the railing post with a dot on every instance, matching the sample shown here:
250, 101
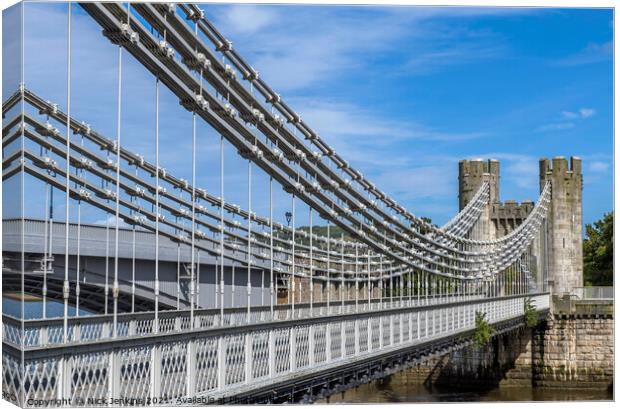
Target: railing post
418, 324
400, 326
391, 329
63, 389
311, 346
190, 360
293, 341
380, 331
114, 374
369, 333
43, 336
272, 353
248, 357
177, 324
410, 314
328, 342
357, 337
105, 330
155, 382
343, 340
221, 362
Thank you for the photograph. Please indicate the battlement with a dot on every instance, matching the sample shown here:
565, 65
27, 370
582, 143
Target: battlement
559, 165
511, 209
472, 174
508, 215
478, 167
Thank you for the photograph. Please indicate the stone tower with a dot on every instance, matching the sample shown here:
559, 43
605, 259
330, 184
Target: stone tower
564, 226
472, 173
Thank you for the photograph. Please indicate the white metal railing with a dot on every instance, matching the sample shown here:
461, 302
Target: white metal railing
221, 362
593, 293
50, 331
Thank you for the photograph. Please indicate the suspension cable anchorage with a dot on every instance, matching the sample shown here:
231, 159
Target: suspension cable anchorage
184, 183
20, 128
109, 164
164, 49
201, 209
47, 130
251, 75
45, 162
230, 111
182, 212
139, 219
316, 155
315, 187
197, 102
277, 121
169, 8
124, 35
203, 193
273, 98
195, 14
106, 194
294, 118
224, 46
84, 194
256, 152
277, 155
258, 115
230, 72
50, 109
197, 62
81, 163
139, 160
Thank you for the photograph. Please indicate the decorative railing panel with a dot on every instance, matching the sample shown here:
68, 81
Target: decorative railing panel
220, 361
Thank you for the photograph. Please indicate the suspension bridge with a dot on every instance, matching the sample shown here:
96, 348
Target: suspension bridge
182, 296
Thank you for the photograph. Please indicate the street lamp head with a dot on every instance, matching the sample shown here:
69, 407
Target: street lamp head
288, 216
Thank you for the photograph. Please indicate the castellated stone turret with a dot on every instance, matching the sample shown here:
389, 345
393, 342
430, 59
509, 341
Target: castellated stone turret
472, 174
564, 230
562, 236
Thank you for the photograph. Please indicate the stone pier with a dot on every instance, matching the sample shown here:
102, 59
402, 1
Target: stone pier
572, 348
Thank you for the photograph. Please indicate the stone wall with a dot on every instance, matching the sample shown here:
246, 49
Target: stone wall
568, 350
576, 346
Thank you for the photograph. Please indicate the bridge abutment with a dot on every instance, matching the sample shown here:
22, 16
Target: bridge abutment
571, 348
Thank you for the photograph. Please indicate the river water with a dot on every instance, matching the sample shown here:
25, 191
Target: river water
398, 388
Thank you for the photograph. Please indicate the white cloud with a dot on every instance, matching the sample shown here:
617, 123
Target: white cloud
430, 61
556, 126
567, 120
569, 115
592, 53
598, 166
324, 44
337, 120
587, 112
248, 19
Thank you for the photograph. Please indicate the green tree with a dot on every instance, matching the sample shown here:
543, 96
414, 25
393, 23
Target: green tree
484, 331
598, 252
531, 316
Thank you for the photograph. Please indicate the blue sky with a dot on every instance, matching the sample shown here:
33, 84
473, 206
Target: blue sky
403, 93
